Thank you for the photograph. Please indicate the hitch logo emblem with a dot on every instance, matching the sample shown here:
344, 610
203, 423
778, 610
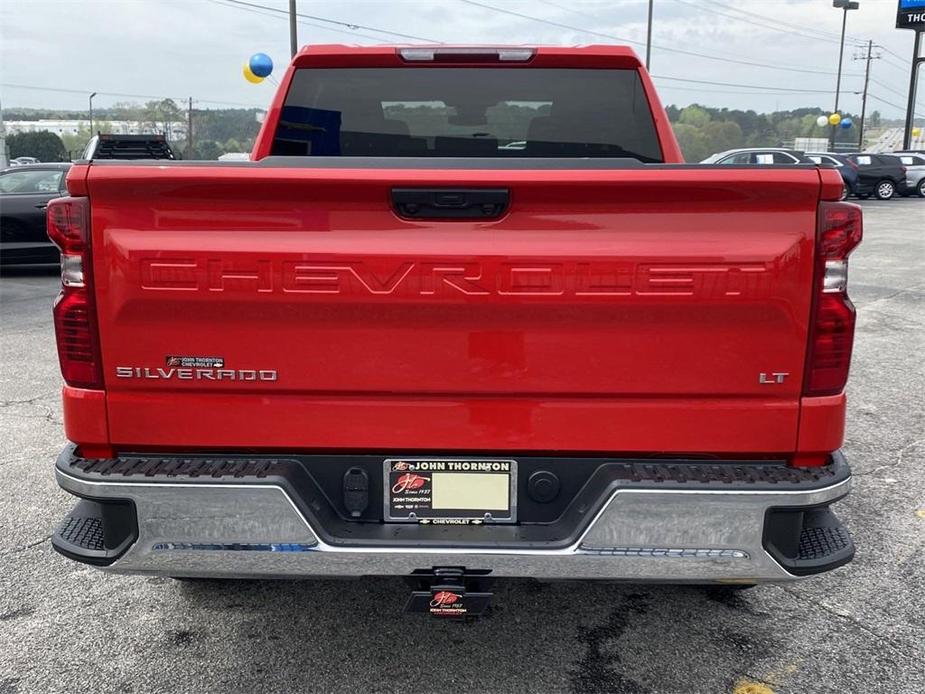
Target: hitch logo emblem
444, 598
408, 481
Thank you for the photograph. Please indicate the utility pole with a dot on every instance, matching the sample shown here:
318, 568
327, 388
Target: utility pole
91, 113
649, 36
189, 130
293, 30
844, 6
917, 60
870, 46
4, 159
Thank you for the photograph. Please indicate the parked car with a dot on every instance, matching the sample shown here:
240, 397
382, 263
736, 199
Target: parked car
23, 161
880, 175
371, 351
24, 194
758, 155
915, 173
848, 170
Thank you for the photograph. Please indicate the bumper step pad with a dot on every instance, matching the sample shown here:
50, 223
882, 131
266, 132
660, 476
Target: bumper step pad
85, 532
822, 543
95, 532
819, 543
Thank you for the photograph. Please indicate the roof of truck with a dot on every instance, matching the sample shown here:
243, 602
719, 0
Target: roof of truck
345, 55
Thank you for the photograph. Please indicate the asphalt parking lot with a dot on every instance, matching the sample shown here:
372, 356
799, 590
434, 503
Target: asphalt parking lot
65, 627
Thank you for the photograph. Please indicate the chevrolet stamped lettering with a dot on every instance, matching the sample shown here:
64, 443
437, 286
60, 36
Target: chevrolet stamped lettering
581, 279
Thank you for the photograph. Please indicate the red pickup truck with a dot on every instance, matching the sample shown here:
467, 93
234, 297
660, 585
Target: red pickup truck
465, 315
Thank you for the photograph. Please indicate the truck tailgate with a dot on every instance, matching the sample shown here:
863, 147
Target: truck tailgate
619, 310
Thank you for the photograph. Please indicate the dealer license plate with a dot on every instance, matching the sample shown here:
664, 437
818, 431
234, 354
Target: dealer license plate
450, 491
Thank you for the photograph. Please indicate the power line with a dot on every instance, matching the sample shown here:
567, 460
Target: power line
325, 20
765, 88
262, 13
701, 90
884, 101
624, 39
888, 88
894, 54
782, 29
84, 92
716, 55
817, 34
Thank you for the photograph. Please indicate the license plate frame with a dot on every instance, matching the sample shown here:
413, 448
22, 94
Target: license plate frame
447, 481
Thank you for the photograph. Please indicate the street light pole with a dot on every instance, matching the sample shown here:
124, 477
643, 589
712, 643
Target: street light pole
293, 31
649, 36
91, 113
843, 5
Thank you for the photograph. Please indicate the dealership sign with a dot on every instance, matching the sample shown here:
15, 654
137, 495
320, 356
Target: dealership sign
910, 14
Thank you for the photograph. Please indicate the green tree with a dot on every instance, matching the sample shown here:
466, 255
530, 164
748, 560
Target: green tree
722, 135
232, 145
44, 146
694, 115
207, 149
875, 119
692, 141
75, 144
160, 116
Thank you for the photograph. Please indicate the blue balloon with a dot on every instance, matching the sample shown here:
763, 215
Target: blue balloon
261, 64
845, 123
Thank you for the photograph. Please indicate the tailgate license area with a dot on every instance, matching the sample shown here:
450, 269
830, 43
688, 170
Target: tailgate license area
450, 491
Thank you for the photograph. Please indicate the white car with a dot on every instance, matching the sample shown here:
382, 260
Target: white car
23, 161
915, 173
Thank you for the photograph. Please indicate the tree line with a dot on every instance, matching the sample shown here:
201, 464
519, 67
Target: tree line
215, 131
700, 130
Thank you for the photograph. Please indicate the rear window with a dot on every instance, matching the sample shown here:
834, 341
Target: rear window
467, 112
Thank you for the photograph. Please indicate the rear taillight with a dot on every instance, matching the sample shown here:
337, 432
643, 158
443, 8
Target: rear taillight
832, 329
75, 309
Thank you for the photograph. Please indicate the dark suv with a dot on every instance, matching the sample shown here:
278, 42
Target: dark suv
24, 194
881, 175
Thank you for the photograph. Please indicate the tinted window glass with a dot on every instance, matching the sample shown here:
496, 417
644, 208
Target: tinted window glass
31, 182
467, 112
740, 158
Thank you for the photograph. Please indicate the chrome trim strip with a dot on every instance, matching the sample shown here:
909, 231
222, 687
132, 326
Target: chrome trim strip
670, 552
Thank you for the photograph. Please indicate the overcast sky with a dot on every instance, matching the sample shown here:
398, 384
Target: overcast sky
180, 48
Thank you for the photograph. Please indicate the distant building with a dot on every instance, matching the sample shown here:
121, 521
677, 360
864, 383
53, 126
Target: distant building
175, 130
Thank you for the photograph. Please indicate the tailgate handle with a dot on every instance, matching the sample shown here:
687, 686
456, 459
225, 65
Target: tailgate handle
450, 203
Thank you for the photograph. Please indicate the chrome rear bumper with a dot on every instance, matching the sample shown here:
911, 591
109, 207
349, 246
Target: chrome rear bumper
256, 529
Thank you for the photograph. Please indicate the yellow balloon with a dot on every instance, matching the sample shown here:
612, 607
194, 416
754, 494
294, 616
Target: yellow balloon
916, 132
834, 119
250, 76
